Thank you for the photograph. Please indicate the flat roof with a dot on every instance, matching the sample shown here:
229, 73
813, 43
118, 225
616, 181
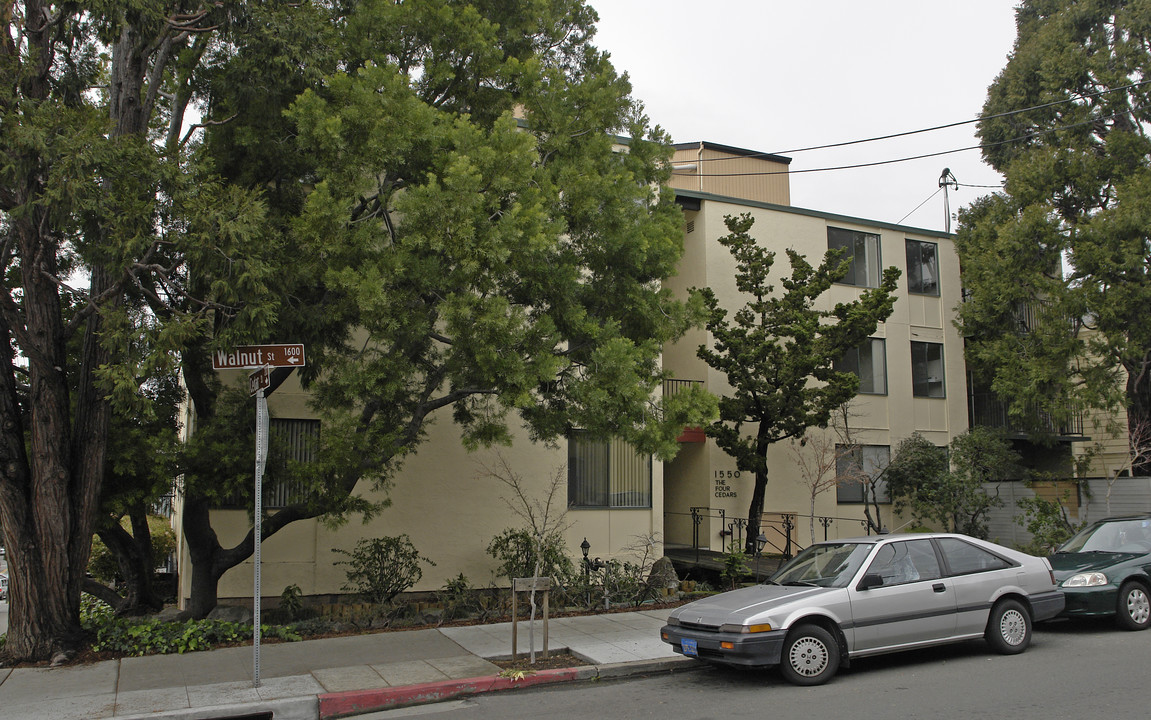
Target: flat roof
732, 150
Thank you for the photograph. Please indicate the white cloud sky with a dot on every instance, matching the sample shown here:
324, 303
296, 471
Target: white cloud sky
773, 76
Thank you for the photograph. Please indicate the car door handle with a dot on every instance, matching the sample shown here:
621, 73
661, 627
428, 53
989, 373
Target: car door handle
939, 587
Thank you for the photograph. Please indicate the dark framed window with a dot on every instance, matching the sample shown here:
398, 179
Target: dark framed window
291, 441
868, 362
856, 467
922, 268
927, 370
607, 474
963, 558
862, 250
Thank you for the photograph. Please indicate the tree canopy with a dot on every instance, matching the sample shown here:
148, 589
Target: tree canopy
455, 205
778, 351
1056, 264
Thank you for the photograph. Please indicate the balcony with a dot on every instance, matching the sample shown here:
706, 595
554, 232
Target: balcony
987, 410
671, 387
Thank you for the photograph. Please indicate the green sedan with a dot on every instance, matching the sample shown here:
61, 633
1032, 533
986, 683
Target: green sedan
1105, 569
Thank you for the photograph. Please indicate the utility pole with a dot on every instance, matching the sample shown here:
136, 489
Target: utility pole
946, 180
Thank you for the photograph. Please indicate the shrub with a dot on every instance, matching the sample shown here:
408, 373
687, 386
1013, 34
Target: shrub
457, 598
149, 636
734, 565
1048, 523
381, 568
515, 551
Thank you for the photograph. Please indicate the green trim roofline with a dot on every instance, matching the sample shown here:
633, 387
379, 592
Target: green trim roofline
697, 195
731, 150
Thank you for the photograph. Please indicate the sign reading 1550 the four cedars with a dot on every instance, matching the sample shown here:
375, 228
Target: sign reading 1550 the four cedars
257, 356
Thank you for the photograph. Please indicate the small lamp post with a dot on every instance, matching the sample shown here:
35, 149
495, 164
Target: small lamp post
584, 547
760, 543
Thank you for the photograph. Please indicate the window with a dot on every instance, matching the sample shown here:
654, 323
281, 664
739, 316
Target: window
903, 562
857, 467
863, 252
963, 558
604, 474
292, 441
869, 363
922, 268
927, 369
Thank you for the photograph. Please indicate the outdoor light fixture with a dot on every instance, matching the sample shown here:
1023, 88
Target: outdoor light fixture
585, 546
760, 543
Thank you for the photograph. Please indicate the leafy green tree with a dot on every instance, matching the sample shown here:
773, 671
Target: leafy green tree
777, 352
468, 235
143, 452
102, 209
947, 489
1056, 264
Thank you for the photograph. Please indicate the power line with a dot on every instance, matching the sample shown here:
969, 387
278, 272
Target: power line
937, 127
920, 205
982, 146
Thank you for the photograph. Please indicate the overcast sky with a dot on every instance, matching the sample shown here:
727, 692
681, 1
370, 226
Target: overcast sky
775, 76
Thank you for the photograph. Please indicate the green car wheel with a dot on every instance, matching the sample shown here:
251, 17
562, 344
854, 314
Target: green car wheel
1134, 607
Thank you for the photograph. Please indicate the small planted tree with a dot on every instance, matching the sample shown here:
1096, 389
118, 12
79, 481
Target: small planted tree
545, 520
818, 457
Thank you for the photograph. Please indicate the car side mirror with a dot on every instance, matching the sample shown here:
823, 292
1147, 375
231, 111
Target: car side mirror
869, 581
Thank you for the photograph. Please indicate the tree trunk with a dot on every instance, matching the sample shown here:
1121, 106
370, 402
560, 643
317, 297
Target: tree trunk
134, 557
755, 512
203, 549
1139, 420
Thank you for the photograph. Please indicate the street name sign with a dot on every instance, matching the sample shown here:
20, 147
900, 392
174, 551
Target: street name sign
248, 357
259, 380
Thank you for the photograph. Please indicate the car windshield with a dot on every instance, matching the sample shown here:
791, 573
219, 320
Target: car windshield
825, 565
1116, 536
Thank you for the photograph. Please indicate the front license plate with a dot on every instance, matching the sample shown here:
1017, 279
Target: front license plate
689, 647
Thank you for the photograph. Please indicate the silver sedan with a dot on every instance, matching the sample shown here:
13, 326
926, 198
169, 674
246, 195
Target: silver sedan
852, 598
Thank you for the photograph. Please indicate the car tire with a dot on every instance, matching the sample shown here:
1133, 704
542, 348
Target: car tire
810, 656
1009, 627
1133, 611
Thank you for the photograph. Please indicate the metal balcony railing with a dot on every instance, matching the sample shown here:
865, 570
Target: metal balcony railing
988, 410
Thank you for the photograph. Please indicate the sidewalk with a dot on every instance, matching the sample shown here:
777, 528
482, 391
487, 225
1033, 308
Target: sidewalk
332, 677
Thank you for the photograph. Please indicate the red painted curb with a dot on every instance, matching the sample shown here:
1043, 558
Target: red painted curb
336, 705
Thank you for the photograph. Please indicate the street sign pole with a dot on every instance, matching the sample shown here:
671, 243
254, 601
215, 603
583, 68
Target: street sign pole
262, 423
263, 358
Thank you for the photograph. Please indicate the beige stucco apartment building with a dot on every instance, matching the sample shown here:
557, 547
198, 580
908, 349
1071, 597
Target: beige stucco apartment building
913, 381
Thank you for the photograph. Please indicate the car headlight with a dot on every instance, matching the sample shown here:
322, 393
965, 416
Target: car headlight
745, 629
1093, 579
673, 620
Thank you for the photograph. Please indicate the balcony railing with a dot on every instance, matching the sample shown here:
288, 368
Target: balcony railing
987, 410
671, 387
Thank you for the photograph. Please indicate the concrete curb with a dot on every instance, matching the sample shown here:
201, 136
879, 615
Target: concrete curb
300, 708
345, 704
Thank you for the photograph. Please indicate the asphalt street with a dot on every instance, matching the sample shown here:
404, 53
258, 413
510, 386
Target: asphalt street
1071, 671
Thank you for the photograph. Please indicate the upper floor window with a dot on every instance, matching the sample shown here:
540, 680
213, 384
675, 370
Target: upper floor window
927, 369
863, 252
922, 267
607, 474
869, 363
